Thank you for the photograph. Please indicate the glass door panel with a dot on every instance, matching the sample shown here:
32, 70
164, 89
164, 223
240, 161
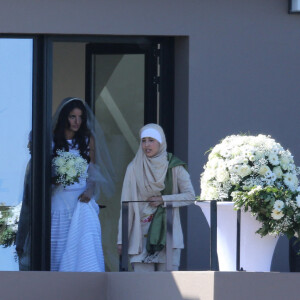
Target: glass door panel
16, 61
119, 90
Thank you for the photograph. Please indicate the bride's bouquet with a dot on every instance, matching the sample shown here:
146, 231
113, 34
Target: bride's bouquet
69, 167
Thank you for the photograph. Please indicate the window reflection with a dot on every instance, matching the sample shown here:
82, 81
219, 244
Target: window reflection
23, 241
119, 107
15, 120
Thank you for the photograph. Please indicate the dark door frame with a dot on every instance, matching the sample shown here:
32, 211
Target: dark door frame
41, 154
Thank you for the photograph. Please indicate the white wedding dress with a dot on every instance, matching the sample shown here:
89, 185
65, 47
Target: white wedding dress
75, 231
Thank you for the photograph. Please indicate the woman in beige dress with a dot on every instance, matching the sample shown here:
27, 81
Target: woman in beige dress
156, 178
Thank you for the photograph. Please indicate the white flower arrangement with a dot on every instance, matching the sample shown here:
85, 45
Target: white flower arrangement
257, 174
9, 220
69, 168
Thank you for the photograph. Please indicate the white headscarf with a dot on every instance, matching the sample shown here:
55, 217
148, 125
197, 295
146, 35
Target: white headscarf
150, 172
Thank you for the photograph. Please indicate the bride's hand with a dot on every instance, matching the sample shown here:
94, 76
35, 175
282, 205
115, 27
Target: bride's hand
84, 198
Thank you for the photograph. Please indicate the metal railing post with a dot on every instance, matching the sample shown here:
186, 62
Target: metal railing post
169, 238
124, 256
238, 240
213, 236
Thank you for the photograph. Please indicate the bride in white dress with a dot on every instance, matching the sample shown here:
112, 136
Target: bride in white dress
75, 228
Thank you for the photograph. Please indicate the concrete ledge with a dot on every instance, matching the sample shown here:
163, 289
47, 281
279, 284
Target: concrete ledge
52, 286
149, 286
161, 286
254, 285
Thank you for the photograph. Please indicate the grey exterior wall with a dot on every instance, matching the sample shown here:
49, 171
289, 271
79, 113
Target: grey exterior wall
237, 70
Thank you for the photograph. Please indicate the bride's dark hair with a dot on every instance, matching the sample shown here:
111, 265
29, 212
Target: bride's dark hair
81, 138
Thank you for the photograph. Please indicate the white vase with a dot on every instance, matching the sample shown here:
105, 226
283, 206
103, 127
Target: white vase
256, 252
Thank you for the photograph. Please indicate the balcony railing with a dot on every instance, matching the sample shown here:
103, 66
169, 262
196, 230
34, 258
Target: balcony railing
169, 237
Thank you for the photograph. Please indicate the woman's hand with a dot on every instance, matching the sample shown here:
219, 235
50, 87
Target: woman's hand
155, 201
84, 198
119, 248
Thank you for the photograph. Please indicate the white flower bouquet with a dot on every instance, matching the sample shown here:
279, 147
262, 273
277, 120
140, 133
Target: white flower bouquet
259, 175
9, 220
69, 168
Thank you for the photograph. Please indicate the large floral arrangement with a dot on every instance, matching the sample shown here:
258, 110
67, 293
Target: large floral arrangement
9, 219
258, 174
69, 167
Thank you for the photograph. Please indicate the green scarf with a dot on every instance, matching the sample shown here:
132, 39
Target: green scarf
156, 238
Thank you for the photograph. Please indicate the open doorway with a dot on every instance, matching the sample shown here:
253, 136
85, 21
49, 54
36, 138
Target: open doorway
121, 82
